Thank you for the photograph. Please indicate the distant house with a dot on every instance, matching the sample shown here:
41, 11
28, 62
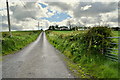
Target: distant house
80, 29
58, 28
63, 28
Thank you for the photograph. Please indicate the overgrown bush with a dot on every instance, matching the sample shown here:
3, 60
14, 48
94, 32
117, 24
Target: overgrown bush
97, 42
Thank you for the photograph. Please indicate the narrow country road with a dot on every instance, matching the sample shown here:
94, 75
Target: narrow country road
38, 60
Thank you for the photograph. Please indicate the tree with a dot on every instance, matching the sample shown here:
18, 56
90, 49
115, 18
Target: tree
56, 26
52, 27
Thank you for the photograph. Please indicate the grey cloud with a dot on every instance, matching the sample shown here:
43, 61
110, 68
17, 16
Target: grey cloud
87, 20
114, 20
4, 25
61, 5
21, 13
119, 13
3, 18
13, 27
96, 9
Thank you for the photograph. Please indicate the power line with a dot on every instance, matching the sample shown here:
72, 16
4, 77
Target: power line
23, 4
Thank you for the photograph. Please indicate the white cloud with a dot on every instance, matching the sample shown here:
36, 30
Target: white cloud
86, 7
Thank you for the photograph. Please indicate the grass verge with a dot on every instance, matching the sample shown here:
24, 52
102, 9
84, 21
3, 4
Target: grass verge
18, 40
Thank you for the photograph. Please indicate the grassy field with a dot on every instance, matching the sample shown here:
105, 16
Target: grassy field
68, 32
18, 40
116, 34
82, 66
63, 32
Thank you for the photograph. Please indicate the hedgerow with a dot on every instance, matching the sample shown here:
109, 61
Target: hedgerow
87, 49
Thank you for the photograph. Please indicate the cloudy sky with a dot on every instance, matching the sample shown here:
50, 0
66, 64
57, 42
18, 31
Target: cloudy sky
25, 15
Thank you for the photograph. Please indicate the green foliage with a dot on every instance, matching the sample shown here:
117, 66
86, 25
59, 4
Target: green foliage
86, 63
19, 40
5, 34
96, 40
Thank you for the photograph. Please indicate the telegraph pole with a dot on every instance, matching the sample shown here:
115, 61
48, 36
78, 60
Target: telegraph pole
8, 18
38, 25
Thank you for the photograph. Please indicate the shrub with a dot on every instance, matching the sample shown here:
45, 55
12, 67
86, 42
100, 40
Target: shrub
96, 40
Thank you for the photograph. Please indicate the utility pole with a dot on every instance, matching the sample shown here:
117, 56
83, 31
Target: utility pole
8, 18
38, 25
84, 25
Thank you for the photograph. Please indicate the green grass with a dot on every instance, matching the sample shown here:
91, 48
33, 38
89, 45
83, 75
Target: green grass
63, 32
68, 32
18, 40
83, 66
116, 34
0, 57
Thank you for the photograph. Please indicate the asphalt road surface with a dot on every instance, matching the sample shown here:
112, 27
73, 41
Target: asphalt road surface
38, 60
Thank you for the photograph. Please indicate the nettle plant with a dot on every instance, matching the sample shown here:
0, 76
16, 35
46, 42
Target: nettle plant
96, 40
